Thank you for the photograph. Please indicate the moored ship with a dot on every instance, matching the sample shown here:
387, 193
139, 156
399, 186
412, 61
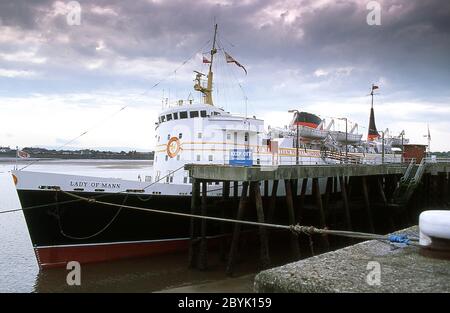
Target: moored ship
64, 228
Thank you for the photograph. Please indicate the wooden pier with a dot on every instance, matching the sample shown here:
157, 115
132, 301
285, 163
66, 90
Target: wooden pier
373, 198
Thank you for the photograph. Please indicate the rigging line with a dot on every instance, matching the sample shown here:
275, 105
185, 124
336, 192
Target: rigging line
235, 78
122, 108
93, 197
96, 233
309, 230
80, 135
226, 70
181, 65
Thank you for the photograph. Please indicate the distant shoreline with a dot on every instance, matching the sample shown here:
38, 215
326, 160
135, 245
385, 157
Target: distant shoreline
108, 162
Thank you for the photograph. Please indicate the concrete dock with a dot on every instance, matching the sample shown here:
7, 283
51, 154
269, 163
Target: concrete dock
370, 266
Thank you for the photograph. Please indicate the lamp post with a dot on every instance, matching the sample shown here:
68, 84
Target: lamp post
382, 147
403, 148
346, 137
297, 136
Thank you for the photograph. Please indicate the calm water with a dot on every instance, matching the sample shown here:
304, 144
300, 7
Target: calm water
18, 268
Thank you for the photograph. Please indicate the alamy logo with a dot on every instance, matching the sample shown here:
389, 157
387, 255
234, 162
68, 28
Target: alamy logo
373, 278
74, 15
73, 278
374, 15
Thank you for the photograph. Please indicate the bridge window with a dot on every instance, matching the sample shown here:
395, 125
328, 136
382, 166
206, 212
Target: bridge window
198, 157
163, 118
203, 113
193, 114
175, 115
183, 114
199, 135
180, 135
168, 136
215, 113
210, 158
169, 117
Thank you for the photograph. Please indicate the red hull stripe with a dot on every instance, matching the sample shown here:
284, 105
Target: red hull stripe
49, 257
307, 124
372, 137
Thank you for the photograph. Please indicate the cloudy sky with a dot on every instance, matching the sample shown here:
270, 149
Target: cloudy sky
59, 79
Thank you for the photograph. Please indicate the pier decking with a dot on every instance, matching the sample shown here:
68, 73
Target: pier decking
357, 197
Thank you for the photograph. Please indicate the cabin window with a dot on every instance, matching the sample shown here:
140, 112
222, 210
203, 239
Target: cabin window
171, 179
228, 136
163, 118
183, 114
198, 157
167, 157
216, 113
169, 117
203, 113
199, 135
168, 136
193, 114
180, 135
178, 157
185, 180
159, 137
246, 137
210, 158
175, 115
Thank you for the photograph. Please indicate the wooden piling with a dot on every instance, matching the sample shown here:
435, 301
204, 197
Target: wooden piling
323, 223
291, 215
193, 223
365, 189
237, 230
303, 193
273, 201
385, 204
203, 254
235, 190
264, 240
345, 201
225, 198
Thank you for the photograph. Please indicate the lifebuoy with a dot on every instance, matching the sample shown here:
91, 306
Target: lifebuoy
173, 147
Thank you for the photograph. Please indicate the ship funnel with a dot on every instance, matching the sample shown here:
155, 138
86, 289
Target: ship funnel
373, 133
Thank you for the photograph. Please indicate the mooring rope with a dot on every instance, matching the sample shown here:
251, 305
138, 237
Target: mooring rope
296, 229
104, 228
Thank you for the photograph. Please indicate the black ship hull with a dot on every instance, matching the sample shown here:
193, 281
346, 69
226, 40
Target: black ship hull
69, 230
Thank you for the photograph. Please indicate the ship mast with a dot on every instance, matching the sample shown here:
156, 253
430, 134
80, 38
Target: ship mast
207, 91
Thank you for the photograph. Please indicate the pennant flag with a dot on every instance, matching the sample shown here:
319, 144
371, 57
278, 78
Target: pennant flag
230, 59
22, 154
375, 87
428, 136
205, 60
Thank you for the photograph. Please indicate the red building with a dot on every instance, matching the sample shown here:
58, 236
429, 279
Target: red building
414, 151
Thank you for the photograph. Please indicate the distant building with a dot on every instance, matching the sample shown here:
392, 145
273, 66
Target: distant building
414, 151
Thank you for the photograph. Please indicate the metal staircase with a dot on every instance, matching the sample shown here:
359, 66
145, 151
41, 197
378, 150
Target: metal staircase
408, 183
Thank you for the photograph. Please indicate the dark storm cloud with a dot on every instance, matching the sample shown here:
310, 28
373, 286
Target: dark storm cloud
411, 44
